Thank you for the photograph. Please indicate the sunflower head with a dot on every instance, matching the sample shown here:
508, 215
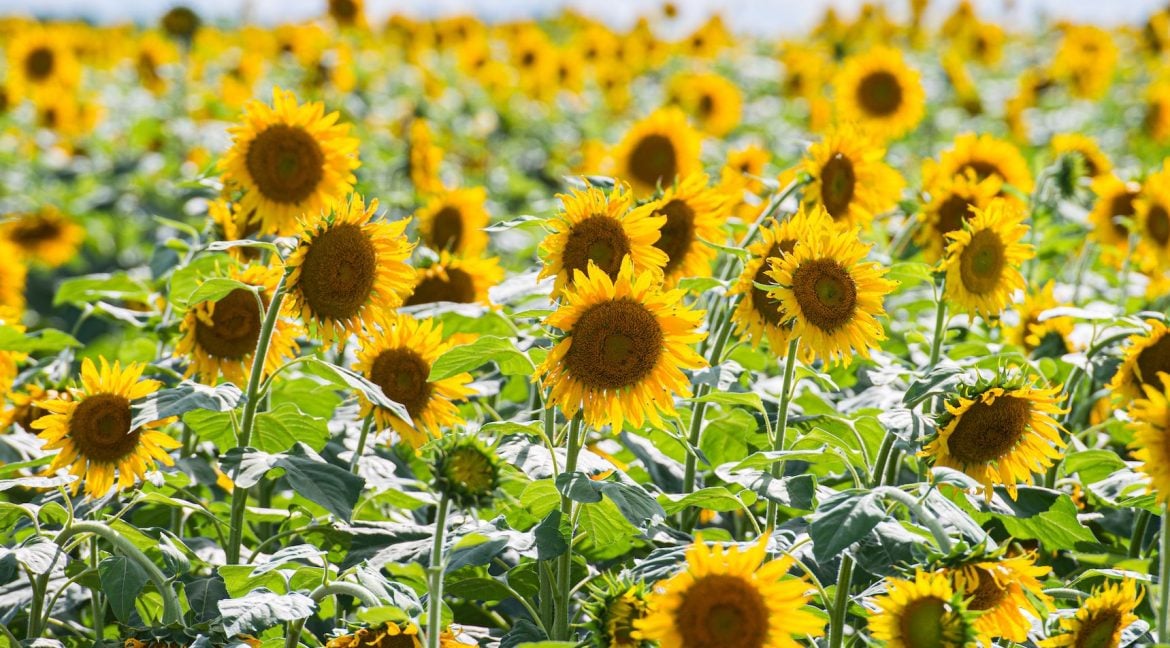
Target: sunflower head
714, 102
999, 431
387, 635
694, 215
925, 612
1100, 620
1050, 338
94, 430
878, 89
466, 471
950, 205
1146, 355
1002, 589
455, 279
44, 236
1149, 418
983, 259
849, 178
986, 156
181, 22
656, 150
453, 221
728, 596
615, 605
347, 268
1114, 209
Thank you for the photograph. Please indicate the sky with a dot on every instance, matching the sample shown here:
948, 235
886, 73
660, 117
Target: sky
764, 17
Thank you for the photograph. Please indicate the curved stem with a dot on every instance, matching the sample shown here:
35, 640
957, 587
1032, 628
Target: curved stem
926, 517
292, 640
172, 612
781, 426
435, 573
240, 495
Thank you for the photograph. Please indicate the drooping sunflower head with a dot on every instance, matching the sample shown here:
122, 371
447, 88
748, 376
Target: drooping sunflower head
626, 343
694, 213
758, 313
453, 220
96, 433
1002, 590
1096, 163
714, 102
879, 90
986, 156
1101, 618
614, 606
1049, 338
219, 338
466, 471
999, 432
46, 235
849, 178
292, 160
657, 150
347, 268
925, 612
728, 596
386, 635
460, 280
1146, 355
397, 356
950, 205
1150, 421
1116, 200
598, 229
983, 259
831, 295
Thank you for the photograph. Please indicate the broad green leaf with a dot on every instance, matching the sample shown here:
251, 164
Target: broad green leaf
263, 609
714, 498
843, 519
183, 398
216, 288
485, 349
44, 340
80, 291
122, 580
348, 378
332, 487
550, 539
216, 427
282, 427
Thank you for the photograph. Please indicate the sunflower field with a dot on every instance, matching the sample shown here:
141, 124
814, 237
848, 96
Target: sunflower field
413, 333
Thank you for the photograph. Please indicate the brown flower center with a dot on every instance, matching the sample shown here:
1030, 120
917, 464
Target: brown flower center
343, 11
722, 611
234, 327
826, 293
1122, 205
39, 63
1158, 225
402, 375
838, 182
599, 239
951, 214
1098, 630
987, 593
762, 301
988, 431
982, 262
1152, 360
458, 287
614, 344
654, 160
286, 163
447, 229
982, 168
100, 428
922, 624
677, 234
338, 274
880, 94
31, 230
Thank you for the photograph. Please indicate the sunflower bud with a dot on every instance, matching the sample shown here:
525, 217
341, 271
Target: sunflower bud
466, 471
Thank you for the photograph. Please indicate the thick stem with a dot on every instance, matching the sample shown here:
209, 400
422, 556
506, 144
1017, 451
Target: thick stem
840, 602
781, 426
940, 322
368, 598
561, 631
240, 495
1140, 525
1164, 582
361, 444
172, 612
929, 519
435, 573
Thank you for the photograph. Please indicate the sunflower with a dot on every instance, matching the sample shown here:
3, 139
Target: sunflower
9, 367
462, 280
625, 347
694, 215
1049, 338
743, 169
13, 276
154, 51
397, 356
347, 268
1001, 590
347, 13
1096, 163
46, 236
92, 430
1150, 421
1100, 619
595, 229
1156, 122
983, 259
534, 58
219, 338
1115, 199
41, 62
466, 471
389, 635
999, 433
291, 159
657, 150
1146, 355
615, 605
849, 178
878, 90
730, 597
424, 158
806, 70
949, 206
1086, 60
1153, 217
758, 314
986, 156
832, 297
714, 102
453, 220
926, 611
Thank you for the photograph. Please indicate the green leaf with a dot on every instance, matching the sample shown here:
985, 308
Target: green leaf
1037, 514
122, 580
221, 246
479, 588
607, 533
909, 273
203, 595
540, 497
513, 223
634, 502
333, 488
550, 540
263, 609
51, 340
279, 429
1093, 465
485, 349
714, 498
183, 398
347, 378
215, 289
80, 291
216, 427
578, 487
843, 519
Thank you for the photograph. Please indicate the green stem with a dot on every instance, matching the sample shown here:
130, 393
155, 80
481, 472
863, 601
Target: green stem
940, 321
840, 602
561, 631
929, 519
368, 598
240, 495
781, 426
547, 611
435, 573
361, 444
1140, 525
172, 612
